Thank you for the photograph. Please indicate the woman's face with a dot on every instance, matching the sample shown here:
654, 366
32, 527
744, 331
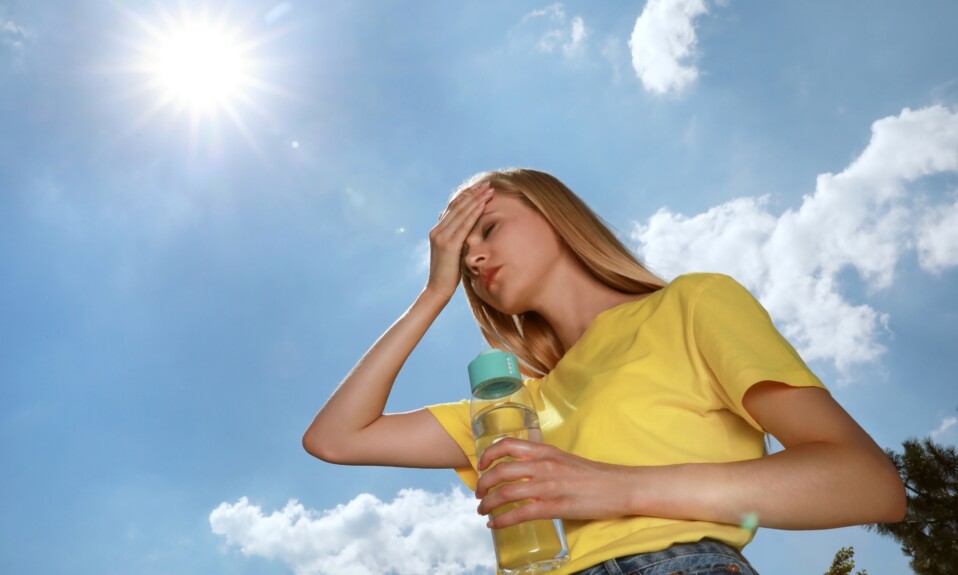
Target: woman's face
512, 253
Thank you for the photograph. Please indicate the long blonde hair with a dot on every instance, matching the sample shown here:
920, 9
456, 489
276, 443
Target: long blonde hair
528, 335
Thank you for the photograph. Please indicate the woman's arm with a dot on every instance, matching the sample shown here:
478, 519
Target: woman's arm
830, 474
351, 428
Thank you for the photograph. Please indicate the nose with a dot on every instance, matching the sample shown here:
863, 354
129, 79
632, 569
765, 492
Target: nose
475, 258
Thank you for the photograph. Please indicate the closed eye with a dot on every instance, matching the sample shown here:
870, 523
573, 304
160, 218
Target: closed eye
485, 232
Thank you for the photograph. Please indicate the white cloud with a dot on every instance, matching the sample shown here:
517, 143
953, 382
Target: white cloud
663, 44
555, 11
727, 237
15, 38
570, 39
946, 424
938, 239
10, 29
418, 532
577, 37
864, 218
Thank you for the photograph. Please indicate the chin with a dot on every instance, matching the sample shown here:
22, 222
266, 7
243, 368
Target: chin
508, 309
495, 304
500, 304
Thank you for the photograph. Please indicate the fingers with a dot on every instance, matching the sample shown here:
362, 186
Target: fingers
520, 484
515, 459
510, 483
522, 513
448, 237
504, 472
477, 190
527, 480
455, 205
455, 223
465, 209
509, 447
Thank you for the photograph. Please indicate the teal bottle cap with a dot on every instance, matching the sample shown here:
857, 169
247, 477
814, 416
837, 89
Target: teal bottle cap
494, 373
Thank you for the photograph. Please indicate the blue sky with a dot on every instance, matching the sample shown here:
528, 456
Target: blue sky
182, 287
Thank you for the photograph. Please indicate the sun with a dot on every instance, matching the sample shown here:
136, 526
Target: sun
201, 66
198, 64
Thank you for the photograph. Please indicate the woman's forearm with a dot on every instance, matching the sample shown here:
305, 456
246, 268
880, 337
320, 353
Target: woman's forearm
361, 397
811, 486
830, 474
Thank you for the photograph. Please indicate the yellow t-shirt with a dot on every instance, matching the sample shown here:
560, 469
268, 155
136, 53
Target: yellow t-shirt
656, 381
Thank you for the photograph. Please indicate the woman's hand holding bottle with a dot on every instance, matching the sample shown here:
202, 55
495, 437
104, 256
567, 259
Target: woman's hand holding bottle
559, 484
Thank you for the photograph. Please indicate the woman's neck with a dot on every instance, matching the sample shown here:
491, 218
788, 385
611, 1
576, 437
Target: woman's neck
570, 310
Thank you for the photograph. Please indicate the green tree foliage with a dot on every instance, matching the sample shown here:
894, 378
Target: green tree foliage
929, 532
844, 563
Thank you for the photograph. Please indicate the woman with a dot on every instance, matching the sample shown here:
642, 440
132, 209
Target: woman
653, 398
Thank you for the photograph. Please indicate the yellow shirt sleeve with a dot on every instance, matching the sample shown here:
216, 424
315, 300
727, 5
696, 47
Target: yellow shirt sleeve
741, 346
454, 418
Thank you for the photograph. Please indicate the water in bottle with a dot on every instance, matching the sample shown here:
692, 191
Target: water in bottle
502, 407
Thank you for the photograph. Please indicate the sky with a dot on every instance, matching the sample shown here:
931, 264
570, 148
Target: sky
208, 212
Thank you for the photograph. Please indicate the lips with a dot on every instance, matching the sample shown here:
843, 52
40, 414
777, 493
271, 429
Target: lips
488, 275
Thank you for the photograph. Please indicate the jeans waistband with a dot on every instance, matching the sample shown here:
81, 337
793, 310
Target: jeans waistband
630, 563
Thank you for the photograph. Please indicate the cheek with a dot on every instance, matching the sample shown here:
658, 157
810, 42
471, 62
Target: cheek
480, 292
539, 253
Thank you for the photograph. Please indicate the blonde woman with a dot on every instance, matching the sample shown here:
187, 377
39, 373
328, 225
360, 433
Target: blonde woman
654, 398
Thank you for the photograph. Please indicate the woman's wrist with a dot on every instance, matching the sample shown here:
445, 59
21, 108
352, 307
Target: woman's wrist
430, 296
428, 305
669, 491
641, 491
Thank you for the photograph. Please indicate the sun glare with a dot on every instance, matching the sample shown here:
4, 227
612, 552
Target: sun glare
200, 66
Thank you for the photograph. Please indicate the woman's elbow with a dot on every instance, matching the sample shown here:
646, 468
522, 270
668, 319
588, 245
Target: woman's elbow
891, 498
897, 501
324, 448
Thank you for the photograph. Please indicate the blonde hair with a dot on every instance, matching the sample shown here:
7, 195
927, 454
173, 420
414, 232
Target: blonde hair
528, 335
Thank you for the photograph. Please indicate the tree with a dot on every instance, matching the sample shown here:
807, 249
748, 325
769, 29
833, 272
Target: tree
844, 562
929, 532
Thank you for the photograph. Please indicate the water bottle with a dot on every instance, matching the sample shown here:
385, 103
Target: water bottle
502, 407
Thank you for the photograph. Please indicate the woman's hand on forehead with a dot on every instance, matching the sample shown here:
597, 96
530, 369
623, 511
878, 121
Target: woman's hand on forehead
447, 239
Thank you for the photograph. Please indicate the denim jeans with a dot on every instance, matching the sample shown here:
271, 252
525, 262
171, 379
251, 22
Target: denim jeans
707, 557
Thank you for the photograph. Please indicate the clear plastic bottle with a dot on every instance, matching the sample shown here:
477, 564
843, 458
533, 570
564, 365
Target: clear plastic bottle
502, 407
